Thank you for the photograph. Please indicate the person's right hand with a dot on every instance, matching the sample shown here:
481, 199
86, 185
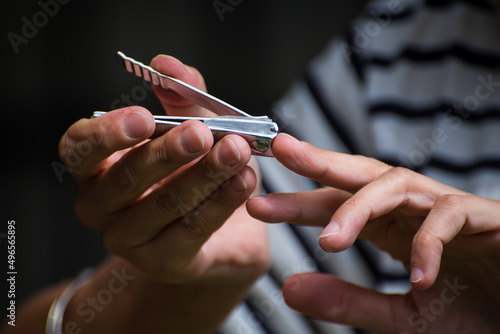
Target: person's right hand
448, 239
171, 206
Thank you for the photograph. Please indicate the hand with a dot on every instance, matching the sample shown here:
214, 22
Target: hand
171, 206
448, 239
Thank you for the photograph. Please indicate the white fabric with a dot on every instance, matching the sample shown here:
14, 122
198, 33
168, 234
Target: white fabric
354, 83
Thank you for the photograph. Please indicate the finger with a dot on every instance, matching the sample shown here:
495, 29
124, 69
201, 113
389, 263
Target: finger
313, 208
339, 170
89, 141
186, 237
330, 299
451, 215
140, 168
172, 102
179, 195
397, 188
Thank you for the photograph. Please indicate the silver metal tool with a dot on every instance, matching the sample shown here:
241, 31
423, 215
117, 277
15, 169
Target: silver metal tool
258, 131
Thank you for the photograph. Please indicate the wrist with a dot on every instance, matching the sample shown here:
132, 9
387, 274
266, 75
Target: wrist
58, 307
121, 299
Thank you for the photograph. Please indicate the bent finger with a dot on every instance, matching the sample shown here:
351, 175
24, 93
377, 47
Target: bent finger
178, 196
172, 102
338, 170
140, 168
451, 215
398, 188
312, 208
89, 141
185, 237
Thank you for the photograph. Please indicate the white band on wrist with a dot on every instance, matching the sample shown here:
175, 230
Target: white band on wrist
56, 313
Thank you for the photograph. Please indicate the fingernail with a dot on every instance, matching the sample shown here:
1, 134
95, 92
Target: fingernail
416, 274
297, 142
136, 125
191, 139
228, 153
331, 229
238, 183
260, 197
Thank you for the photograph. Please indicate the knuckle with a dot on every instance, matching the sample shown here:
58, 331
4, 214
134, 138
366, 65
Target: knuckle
194, 229
167, 156
225, 199
342, 308
354, 202
167, 203
68, 152
97, 138
161, 156
123, 179
401, 173
358, 205
428, 245
210, 171
76, 143
450, 201
400, 177
377, 166
423, 239
64, 148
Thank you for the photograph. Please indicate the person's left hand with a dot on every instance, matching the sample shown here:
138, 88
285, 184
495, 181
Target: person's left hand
448, 239
172, 206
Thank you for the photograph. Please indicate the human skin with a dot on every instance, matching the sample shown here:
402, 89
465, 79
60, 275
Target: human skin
448, 239
171, 212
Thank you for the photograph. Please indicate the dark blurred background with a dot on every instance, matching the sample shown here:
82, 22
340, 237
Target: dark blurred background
66, 69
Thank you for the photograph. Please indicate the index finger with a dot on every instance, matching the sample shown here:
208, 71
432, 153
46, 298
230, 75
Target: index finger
173, 103
339, 170
89, 142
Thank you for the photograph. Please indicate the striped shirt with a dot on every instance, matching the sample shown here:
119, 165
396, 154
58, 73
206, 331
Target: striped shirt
413, 83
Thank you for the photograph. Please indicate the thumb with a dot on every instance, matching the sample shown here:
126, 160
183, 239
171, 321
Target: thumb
328, 298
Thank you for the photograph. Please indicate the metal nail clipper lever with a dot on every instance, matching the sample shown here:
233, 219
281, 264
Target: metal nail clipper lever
257, 131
